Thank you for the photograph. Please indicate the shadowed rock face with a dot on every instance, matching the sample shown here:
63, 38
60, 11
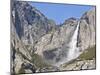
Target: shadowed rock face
33, 33
30, 24
49, 54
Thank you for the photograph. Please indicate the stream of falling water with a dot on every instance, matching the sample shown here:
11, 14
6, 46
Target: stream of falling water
73, 51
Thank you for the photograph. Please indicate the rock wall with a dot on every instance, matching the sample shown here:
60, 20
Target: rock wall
87, 31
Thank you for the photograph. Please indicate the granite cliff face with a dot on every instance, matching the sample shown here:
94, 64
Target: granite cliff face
19, 53
36, 40
30, 24
87, 30
54, 46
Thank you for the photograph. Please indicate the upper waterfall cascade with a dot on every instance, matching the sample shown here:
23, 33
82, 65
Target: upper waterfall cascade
73, 49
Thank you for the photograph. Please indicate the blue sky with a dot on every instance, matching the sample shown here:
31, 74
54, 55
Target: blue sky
60, 12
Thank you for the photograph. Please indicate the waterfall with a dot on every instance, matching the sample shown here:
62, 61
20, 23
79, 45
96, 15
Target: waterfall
73, 50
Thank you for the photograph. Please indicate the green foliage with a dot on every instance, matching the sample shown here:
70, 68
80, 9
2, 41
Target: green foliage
52, 31
70, 62
38, 61
88, 54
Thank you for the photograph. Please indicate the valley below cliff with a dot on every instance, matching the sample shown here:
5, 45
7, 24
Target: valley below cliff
39, 45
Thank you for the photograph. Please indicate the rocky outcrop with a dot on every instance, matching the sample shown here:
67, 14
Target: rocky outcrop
87, 31
19, 52
30, 24
79, 65
48, 69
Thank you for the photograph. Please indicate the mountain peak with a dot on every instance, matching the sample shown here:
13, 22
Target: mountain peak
71, 21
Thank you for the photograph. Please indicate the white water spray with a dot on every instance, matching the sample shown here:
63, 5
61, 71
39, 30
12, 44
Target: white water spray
73, 49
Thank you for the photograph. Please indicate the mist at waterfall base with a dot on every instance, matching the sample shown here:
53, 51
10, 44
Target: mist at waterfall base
72, 52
